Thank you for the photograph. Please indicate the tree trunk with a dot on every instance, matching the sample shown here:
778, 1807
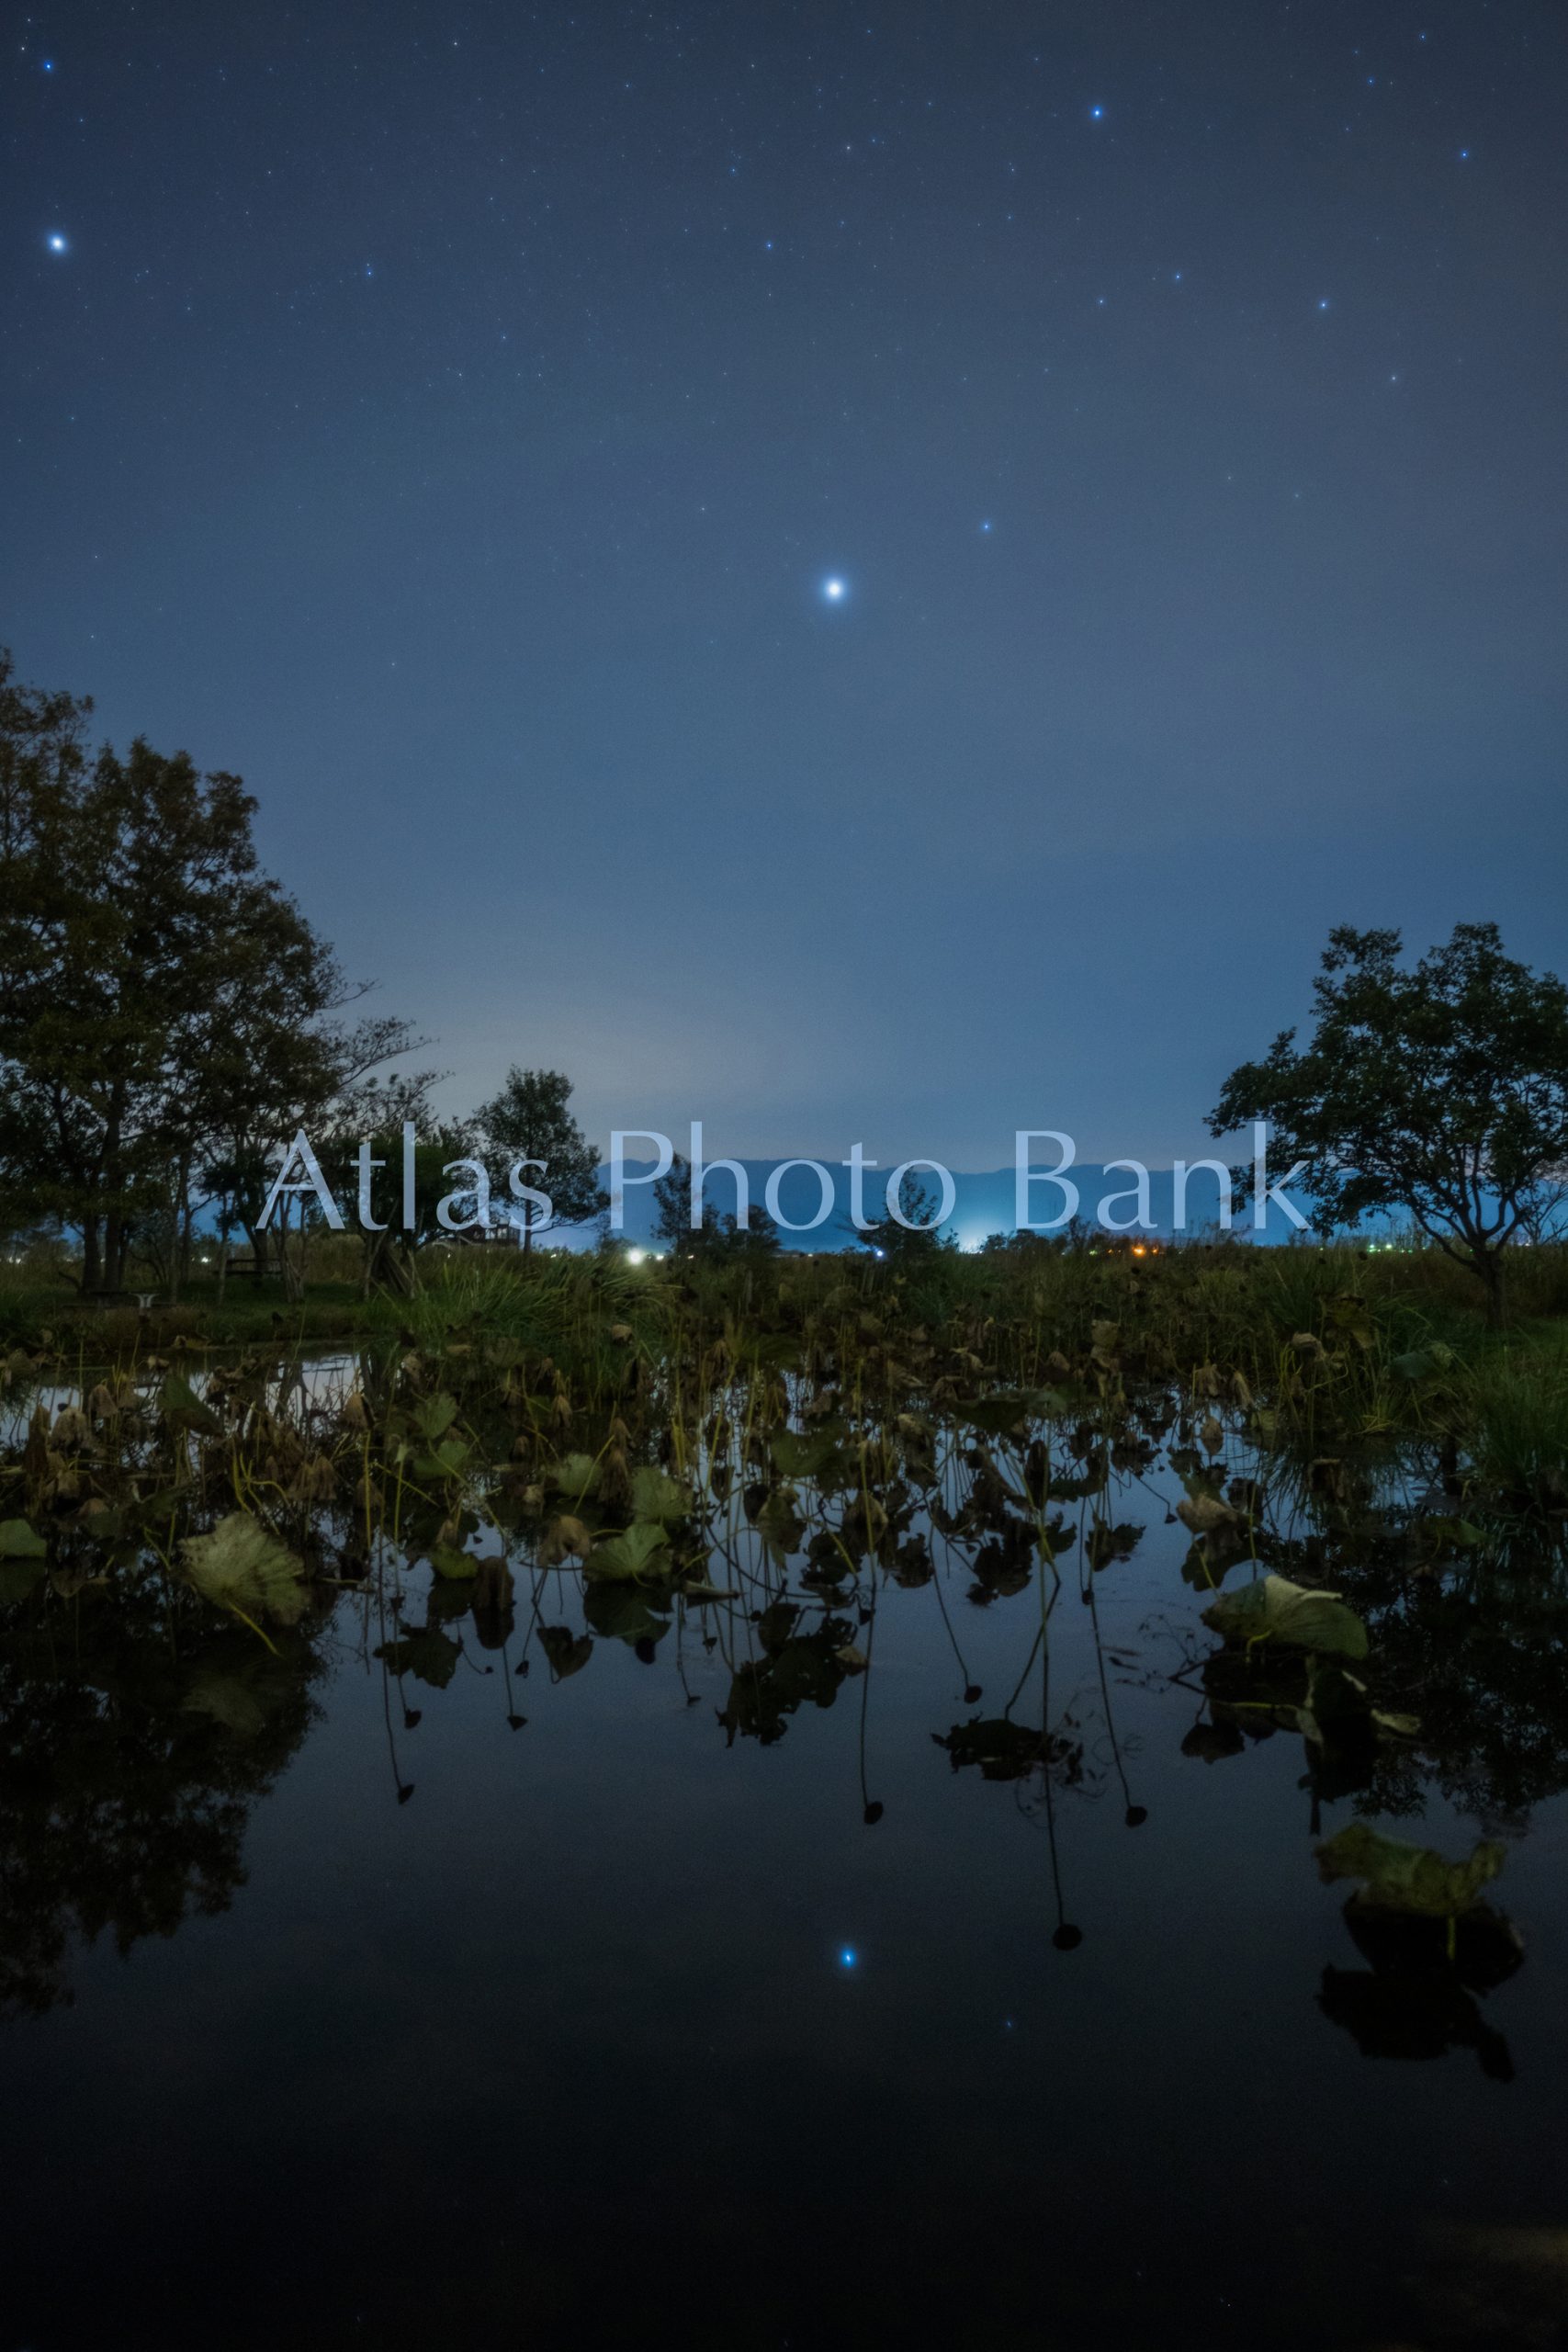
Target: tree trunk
1489, 1266
389, 1266
114, 1180
184, 1214
292, 1269
258, 1240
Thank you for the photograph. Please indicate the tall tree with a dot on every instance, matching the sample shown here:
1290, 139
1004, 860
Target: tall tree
529, 1119
1440, 1090
42, 760
884, 1237
374, 1112
162, 1000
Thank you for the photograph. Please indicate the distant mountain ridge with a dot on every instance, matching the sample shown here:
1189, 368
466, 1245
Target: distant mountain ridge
984, 1205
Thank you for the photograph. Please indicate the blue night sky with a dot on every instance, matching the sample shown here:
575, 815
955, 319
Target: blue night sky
852, 572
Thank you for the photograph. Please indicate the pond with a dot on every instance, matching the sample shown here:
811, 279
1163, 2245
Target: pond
932, 1952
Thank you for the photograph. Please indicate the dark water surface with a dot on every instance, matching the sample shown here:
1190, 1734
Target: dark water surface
618, 2029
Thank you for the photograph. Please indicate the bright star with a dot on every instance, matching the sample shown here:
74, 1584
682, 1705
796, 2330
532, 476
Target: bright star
985, 526
848, 1956
1324, 304
833, 590
1097, 114
57, 243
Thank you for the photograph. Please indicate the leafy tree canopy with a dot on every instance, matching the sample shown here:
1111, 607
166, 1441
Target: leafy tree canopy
529, 1119
1440, 1090
163, 1004
720, 1235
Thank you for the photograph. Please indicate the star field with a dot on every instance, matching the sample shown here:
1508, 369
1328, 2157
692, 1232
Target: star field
928, 552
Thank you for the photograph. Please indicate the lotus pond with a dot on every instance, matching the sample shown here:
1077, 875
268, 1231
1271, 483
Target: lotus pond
847, 1830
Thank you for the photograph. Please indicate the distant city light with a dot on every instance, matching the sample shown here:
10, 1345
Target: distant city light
634, 1257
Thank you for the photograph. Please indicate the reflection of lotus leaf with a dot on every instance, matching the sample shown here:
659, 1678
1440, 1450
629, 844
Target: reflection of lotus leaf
621, 1612
795, 1668
1401, 1877
428, 1654
1009, 1409
1006, 1751
780, 1525
1273, 1609
1416, 1999
568, 1652
1213, 1741
434, 1415
1394, 2016
227, 1698
18, 1578
820, 1456
1108, 1543
1487, 1947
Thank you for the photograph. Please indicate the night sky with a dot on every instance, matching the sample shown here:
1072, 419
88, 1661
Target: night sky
453, 419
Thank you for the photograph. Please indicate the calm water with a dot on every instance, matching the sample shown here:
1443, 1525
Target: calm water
562, 2015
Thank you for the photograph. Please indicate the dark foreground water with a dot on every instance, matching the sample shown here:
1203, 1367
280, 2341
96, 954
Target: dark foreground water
606, 2025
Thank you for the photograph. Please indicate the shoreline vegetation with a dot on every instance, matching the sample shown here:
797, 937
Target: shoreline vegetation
1315, 1344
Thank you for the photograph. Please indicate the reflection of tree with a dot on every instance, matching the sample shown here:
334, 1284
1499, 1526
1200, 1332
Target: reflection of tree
1481, 1656
127, 1776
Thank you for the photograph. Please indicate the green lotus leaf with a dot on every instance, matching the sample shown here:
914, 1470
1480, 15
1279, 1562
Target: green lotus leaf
1400, 1877
1273, 1609
182, 1408
576, 1475
450, 1560
657, 1496
642, 1553
242, 1568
